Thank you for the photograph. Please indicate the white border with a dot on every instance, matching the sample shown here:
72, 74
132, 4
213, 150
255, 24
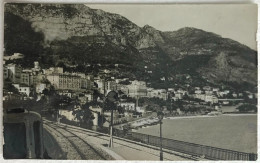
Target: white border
106, 1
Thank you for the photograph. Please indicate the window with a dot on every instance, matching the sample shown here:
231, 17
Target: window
37, 138
14, 141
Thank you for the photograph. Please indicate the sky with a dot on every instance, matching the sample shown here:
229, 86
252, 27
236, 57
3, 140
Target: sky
238, 22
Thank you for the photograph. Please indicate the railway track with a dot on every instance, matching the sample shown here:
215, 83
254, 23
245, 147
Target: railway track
85, 133
76, 146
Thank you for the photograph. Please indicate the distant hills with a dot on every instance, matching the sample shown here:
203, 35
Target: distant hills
77, 34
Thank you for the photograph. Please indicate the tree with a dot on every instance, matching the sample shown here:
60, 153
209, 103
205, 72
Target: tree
84, 116
247, 108
9, 87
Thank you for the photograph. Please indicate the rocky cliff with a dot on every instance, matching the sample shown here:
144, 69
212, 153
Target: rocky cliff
79, 34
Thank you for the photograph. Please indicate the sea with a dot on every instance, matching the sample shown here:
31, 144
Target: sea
229, 131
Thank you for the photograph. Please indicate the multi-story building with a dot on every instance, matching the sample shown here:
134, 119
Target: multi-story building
86, 83
25, 78
14, 73
128, 106
160, 93
111, 85
6, 74
65, 81
101, 85
137, 89
105, 86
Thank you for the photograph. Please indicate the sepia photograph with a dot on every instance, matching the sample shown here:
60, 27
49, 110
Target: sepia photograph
154, 82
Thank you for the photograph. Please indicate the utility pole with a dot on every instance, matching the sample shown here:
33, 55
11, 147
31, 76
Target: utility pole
111, 130
160, 117
112, 97
161, 153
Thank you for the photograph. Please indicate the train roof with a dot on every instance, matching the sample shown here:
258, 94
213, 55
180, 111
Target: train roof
19, 115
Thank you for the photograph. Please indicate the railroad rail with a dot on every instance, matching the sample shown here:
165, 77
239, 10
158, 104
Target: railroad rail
81, 147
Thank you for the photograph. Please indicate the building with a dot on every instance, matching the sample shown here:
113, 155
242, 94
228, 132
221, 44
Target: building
159, 93
53, 70
40, 87
178, 96
6, 74
14, 73
85, 97
67, 93
137, 89
198, 91
128, 106
68, 114
36, 67
210, 98
111, 85
23, 89
96, 111
86, 83
25, 78
101, 85
65, 81
206, 88
14, 56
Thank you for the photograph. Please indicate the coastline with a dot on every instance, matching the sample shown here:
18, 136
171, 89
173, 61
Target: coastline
143, 123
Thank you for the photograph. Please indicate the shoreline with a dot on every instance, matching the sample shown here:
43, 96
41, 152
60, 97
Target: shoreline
143, 124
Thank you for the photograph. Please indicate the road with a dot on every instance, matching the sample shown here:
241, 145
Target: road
77, 143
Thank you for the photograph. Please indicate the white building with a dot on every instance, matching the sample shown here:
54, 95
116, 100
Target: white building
137, 89
159, 93
128, 105
198, 91
65, 81
67, 114
23, 89
212, 99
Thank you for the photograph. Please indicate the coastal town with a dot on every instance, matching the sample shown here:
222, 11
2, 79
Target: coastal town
125, 82
75, 92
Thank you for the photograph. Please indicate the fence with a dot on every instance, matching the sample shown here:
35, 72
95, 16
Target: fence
207, 152
194, 149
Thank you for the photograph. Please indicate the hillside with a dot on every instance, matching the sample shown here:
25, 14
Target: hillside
77, 34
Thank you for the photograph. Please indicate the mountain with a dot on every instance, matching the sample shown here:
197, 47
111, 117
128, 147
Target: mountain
76, 34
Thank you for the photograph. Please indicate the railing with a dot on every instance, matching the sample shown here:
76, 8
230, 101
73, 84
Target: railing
194, 149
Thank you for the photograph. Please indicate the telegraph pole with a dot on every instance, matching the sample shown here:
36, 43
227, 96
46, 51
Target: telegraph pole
160, 117
111, 130
112, 97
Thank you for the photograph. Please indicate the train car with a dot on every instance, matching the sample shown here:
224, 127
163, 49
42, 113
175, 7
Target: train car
23, 134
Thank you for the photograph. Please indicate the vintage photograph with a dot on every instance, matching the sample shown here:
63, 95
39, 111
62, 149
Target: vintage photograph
168, 82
